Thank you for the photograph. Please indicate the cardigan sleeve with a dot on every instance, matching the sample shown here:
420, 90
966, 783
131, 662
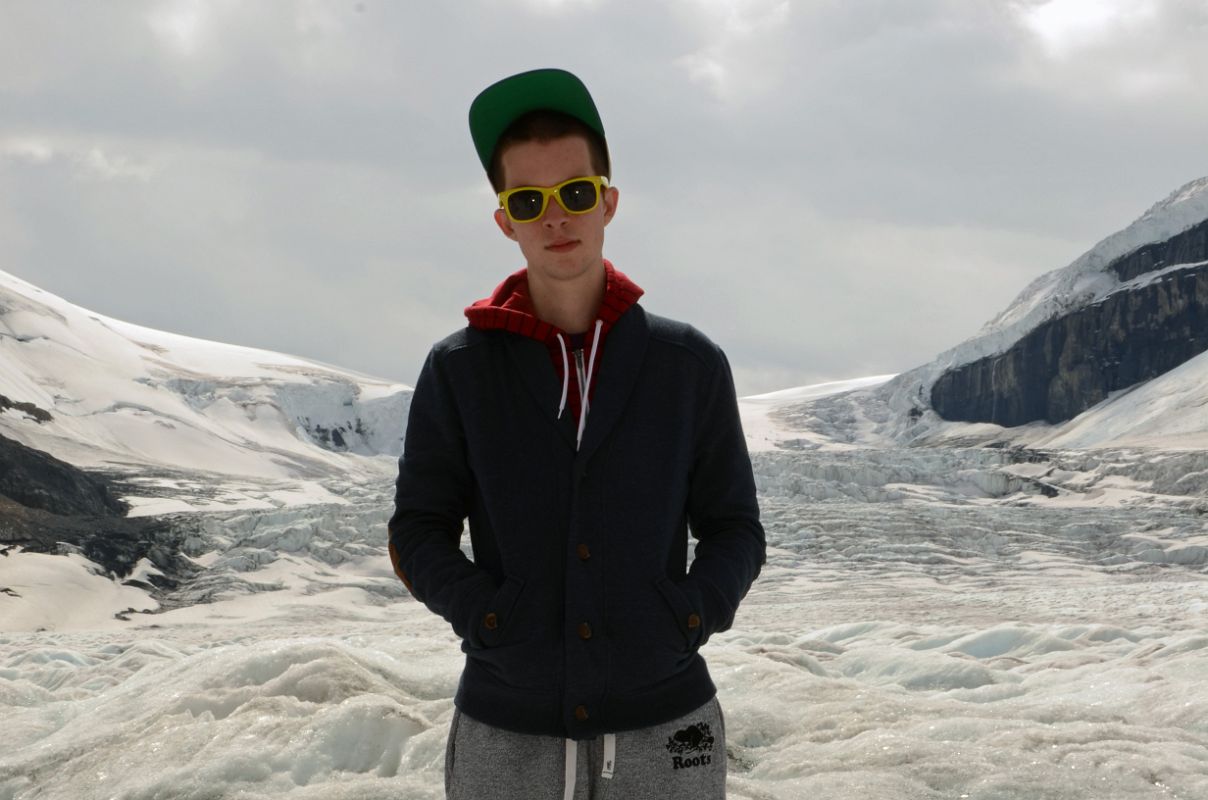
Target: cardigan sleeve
723, 513
431, 501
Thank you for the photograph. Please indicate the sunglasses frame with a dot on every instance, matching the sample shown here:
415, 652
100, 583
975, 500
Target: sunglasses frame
598, 181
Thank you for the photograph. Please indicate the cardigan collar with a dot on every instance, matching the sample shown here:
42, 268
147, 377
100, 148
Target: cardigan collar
510, 308
620, 363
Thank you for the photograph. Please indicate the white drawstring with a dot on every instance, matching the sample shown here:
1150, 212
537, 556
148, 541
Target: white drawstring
585, 385
572, 767
565, 376
610, 755
570, 770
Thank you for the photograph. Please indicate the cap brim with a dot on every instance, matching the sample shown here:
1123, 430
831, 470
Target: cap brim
502, 103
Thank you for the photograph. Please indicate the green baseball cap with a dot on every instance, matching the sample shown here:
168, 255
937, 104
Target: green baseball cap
502, 103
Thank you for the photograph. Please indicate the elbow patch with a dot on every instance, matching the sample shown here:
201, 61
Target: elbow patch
398, 570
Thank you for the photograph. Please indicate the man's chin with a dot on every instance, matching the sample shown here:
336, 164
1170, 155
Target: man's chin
566, 269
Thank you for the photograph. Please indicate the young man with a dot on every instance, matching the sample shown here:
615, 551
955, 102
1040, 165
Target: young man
582, 437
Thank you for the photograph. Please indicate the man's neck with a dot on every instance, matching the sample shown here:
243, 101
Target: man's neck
570, 305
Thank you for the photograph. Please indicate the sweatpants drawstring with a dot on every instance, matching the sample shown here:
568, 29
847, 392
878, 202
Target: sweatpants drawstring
610, 755
572, 768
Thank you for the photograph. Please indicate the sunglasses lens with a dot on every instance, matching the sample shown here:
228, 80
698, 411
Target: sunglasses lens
524, 205
578, 196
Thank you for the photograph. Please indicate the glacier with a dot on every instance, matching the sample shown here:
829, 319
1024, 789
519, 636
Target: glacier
931, 623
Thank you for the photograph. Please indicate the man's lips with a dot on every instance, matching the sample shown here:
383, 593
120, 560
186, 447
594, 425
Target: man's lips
562, 245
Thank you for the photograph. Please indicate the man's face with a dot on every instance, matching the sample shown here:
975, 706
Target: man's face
558, 246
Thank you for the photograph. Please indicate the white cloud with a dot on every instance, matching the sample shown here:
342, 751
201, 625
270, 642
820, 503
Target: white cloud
706, 68
741, 47
181, 25
33, 151
85, 161
1114, 50
1147, 82
96, 162
1066, 26
558, 5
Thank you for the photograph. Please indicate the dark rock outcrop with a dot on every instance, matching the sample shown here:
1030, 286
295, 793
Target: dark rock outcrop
38, 415
38, 480
1187, 247
116, 544
1068, 364
50, 506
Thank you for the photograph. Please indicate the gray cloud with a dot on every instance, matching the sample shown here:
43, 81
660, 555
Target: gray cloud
828, 189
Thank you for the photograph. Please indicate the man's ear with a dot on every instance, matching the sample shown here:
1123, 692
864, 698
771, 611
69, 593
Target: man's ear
505, 224
611, 196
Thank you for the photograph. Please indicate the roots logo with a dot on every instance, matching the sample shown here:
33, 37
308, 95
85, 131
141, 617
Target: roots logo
691, 747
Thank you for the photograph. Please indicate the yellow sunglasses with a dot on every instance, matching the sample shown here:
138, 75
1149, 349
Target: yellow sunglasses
576, 196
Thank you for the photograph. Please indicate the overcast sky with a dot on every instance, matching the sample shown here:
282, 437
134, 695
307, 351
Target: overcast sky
828, 189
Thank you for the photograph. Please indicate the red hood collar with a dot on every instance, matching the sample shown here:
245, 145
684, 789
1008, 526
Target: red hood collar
510, 306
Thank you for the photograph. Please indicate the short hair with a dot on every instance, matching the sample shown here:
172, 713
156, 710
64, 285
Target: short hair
544, 125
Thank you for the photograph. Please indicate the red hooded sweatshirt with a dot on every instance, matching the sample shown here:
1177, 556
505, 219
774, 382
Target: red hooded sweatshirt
510, 308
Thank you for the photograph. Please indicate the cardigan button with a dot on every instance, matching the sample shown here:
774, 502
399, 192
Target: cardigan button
581, 713
693, 621
584, 552
584, 631
490, 621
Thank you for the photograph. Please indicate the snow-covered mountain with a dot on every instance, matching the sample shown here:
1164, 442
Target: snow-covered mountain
184, 416
1131, 309
1089, 279
1110, 351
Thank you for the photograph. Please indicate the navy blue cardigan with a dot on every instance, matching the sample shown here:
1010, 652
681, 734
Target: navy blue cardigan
578, 613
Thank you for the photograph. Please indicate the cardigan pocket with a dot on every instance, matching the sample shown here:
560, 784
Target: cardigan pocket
649, 635
497, 618
511, 650
687, 617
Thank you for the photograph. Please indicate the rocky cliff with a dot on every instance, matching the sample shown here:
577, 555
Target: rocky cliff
37, 480
1153, 318
49, 506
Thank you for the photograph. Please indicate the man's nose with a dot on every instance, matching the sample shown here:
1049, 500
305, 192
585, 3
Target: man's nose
555, 214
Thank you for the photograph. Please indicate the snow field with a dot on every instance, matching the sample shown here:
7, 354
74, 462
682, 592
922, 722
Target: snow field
355, 703
166, 718
926, 627
42, 591
886, 710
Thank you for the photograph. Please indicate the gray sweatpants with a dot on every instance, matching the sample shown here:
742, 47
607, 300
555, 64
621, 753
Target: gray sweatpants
678, 760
